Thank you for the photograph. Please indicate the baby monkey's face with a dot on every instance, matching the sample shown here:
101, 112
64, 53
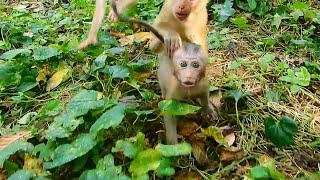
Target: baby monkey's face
189, 65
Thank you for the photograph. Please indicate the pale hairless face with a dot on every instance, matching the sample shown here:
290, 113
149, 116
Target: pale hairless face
189, 64
182, 8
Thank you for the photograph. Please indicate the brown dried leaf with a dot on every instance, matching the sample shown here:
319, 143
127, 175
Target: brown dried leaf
230, 154
229, 137
199, 153
126, 40
192, 175
6, 141
187, 127
142, 36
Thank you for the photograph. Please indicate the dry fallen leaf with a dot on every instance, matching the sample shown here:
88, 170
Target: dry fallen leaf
6, 141
142, 36
192, 175
57, 78
126, 40
230, 154
199, 153
187, 127
229, 137
28, 34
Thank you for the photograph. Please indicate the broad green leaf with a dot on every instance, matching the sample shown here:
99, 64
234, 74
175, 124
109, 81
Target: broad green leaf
111, 118
45, 151
236, 95
300, 5
118, 71
13, 53
174, 150
20, 145
261, 9
43, 53
240, 22
224, 10
234, 64
216, 133
269, 163
68, 120
281, 133
265, 61
9, 75
301, 42
252, 4
296, 14
21, 175
99, 62
294, 89
27, 118
145, 161
26, 86
149, 96
57, 78
164, 169
51, 108
260, 172
68, 152
301, 78
174, 107
128, 148
276, 21
105, 170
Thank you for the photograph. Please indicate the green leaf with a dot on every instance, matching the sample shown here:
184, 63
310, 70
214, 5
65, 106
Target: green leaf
216, 133
21, 175
300, 5
43, 53
128, 148
252, 5
13, 53
164, 169
27, 118
260, 172
240, 22
111, 118
118, 71
105, 170
301, 78
145, 161
236, 95
224, 10
68, 120
99, 62
174, 107
269, 163
9, 75
20, 145
174, 150
51, 108
280, 134
301, 42
265, 61
276, 21
294, 89
26, 86
68, 152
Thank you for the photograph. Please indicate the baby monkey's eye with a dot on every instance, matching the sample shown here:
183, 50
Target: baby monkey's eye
195, 64
183, 64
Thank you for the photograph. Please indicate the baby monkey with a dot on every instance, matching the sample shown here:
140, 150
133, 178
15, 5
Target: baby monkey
181, 78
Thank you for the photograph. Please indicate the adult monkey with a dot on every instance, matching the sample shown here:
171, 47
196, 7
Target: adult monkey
181, 77
178, 20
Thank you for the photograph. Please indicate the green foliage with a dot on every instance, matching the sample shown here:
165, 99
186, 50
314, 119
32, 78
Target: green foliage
21, 175
224, 11
260, 172
105, 170
13, 53
174, 107
145, 161
297, 79
43, 53
174, 150
281, 133
68, 152
20, 145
